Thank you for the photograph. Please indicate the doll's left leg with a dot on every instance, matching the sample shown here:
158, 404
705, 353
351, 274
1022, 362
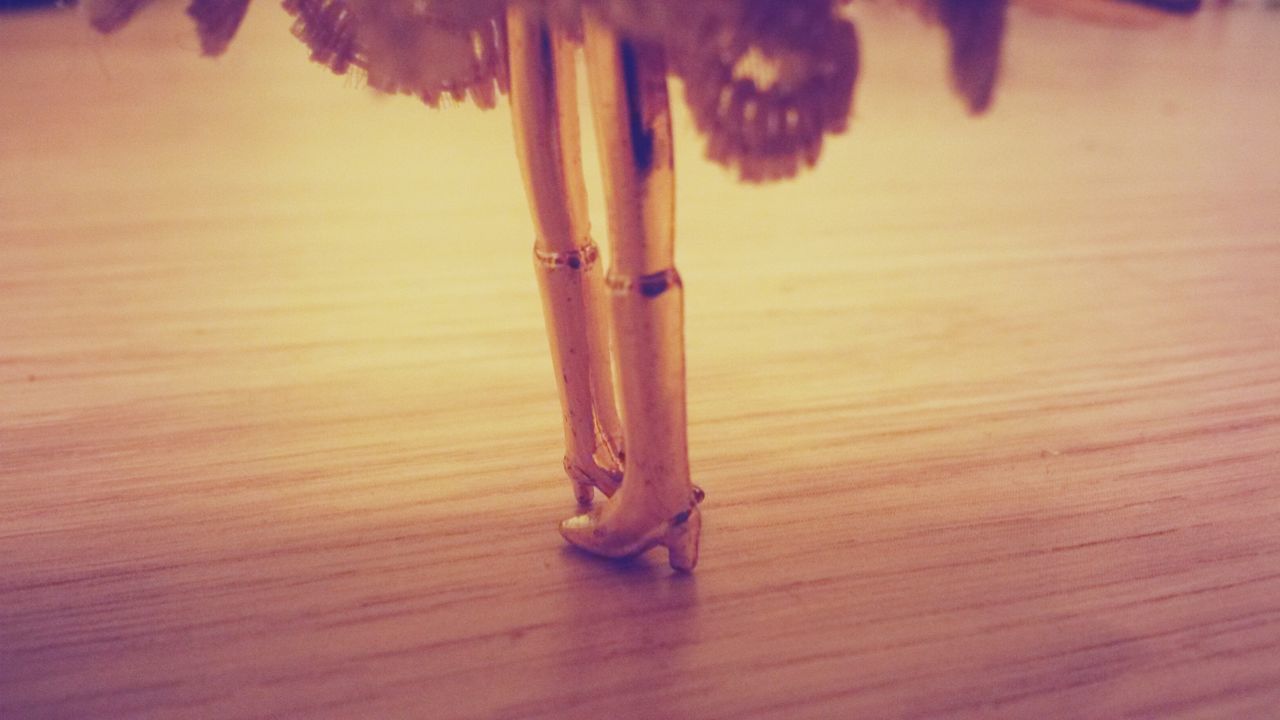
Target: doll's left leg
545, 114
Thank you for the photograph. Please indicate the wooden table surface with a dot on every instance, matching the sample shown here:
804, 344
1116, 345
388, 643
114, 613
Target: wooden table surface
988, 411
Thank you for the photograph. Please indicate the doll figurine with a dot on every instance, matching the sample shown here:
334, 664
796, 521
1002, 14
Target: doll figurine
765, 80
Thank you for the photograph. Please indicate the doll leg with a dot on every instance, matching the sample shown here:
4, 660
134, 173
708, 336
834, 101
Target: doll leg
657, 505
545, 114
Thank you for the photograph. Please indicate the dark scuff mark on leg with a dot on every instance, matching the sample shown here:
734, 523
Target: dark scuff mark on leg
641, 135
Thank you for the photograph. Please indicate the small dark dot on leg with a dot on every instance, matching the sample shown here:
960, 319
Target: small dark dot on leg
653, 287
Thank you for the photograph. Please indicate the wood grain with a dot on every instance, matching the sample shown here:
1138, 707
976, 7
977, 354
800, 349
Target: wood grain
988, 411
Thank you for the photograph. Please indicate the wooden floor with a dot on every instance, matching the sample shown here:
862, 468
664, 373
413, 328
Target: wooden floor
988, 411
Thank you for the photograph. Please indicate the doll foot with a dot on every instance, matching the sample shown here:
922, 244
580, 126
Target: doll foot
678, 534
588, 476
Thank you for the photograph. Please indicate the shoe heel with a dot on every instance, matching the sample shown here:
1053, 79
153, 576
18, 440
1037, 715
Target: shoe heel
682, 542
584, 491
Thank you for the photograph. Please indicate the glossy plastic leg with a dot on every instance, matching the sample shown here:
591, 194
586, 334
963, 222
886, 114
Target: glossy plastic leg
544, 113
657, 504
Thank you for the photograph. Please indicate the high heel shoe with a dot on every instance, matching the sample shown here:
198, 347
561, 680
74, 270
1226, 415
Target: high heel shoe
601, 471
591, 476
680, 533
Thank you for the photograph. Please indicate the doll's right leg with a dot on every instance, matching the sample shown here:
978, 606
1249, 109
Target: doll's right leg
544, 111
657, 505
